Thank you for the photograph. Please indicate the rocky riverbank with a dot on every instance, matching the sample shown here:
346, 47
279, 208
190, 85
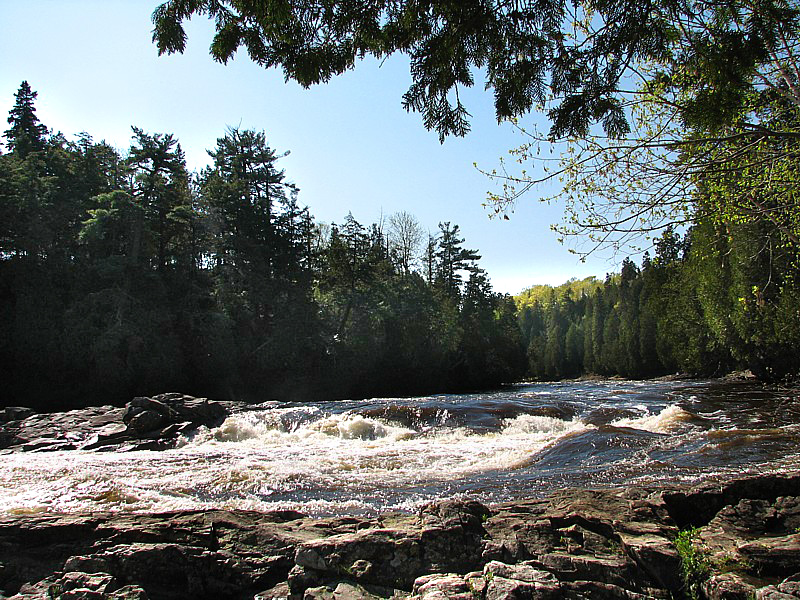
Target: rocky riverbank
734, 540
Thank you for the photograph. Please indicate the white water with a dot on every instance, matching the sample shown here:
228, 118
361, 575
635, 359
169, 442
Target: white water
255, 460
345, 458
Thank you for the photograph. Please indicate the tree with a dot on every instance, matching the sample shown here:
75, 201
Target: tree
244, 191
713, 134
26, 134
530, 50
452, 259
160, 189
405, 237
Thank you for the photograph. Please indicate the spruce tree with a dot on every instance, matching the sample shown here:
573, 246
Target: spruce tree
26, 134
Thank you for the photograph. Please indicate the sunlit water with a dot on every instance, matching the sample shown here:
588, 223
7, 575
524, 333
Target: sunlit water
365, 457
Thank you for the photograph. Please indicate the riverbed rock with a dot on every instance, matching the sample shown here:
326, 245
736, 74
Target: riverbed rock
153, 423
14, 413
447, 536
598, 544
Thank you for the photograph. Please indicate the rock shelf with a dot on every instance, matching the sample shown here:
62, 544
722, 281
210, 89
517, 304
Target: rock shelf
743, 542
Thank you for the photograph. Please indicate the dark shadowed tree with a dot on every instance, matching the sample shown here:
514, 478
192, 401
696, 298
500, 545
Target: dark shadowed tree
26, 133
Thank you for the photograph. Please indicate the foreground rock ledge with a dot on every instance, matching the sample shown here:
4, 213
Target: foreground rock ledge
614, 543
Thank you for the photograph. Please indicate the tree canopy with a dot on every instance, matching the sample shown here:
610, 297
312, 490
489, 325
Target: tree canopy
532, 52
654, 102
713, 134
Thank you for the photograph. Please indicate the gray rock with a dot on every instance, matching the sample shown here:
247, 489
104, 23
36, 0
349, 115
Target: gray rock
100, 583
145, 421
342, 591
447, 586
128, 592
505, 581
618, 571
771, 592
656, 555
598, 590
523, 572
728, 586
446, 538
577, 544
775, 556
392, 557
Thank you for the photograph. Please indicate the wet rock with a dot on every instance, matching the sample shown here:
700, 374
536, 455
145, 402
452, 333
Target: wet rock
147, 414
14, 413
468, 515
145, 423
598, 544
768, 556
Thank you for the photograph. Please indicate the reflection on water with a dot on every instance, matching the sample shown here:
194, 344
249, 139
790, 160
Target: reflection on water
394, 454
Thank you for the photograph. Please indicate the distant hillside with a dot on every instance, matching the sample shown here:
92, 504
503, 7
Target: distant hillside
539, 293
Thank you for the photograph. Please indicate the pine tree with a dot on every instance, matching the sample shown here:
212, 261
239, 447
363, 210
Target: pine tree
452, 259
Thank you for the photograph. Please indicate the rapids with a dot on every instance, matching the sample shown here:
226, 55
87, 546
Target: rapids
371, 456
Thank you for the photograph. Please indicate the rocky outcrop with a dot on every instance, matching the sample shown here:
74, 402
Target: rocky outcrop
153, 423
742, 542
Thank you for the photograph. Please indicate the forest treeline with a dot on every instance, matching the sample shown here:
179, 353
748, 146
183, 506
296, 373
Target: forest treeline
719, 299
123, 274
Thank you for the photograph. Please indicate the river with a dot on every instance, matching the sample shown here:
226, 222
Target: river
369, 456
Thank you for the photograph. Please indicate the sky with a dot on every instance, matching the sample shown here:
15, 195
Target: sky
353, 148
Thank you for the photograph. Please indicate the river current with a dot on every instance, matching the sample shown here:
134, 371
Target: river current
370, 456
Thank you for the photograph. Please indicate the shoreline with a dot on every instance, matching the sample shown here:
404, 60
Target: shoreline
576, 543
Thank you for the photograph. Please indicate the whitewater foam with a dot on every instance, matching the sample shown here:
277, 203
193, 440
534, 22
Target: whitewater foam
669, 420
368, 456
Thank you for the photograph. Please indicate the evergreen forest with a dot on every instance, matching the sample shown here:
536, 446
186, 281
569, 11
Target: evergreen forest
719, 299
123, 274
677, 125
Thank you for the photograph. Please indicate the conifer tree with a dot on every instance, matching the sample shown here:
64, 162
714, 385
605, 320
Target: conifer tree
26, 134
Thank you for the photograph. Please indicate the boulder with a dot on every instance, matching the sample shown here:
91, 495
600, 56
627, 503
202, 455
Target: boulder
145, 421
772, 556
447, 537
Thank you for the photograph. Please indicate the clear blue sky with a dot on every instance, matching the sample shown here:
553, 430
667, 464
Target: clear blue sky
353, 147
